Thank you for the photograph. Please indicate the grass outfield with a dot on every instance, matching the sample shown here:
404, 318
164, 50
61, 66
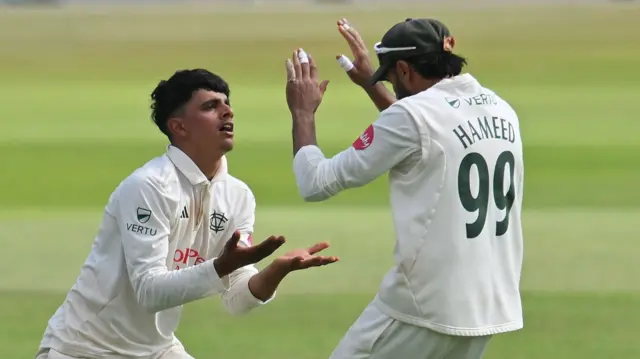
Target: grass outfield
75, 88
580, 285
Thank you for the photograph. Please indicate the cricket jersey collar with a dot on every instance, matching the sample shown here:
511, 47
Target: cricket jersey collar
190, 170
461, 80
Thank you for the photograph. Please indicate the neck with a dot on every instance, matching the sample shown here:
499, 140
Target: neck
207, 163
426, 84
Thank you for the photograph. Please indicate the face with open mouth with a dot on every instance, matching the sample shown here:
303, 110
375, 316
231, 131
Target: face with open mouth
208, 122
227, 128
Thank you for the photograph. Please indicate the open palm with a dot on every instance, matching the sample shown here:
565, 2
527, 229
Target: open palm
305, 258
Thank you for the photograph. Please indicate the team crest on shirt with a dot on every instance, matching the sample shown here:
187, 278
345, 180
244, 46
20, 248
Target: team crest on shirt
143, 215
365, 139
217, 221
453, 102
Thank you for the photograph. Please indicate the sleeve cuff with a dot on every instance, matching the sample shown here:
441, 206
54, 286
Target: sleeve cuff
239, 298
305, 169
245, 296
218, 285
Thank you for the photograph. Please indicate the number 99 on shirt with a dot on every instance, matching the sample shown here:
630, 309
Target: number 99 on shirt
481, 201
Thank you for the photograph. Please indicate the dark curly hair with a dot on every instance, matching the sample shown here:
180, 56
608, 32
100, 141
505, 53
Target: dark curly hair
438, 65
169, 97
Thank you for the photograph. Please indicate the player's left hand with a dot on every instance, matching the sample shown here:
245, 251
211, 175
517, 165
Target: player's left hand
304, 258
304, 90
360, 70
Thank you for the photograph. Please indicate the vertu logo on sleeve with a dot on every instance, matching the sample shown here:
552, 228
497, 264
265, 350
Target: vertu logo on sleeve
143, 215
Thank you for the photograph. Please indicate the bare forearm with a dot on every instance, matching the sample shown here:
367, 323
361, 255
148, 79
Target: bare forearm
264, 284
303, 130
380, 96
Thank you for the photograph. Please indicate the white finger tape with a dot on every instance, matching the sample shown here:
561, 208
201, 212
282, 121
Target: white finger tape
304, 58
345, 63
346, 26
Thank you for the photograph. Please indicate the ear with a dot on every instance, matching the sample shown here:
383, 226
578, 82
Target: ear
176, 127
403, 69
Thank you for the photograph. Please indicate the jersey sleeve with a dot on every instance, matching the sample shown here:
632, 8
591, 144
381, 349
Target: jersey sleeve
144, 221
239, 299
390, 140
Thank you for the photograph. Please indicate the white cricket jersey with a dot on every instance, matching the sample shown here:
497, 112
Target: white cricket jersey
454, 156
162, 228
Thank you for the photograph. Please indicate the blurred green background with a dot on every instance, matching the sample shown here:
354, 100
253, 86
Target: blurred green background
74, 93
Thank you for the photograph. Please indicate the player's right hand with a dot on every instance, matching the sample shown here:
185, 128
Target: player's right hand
234, 256
359, 69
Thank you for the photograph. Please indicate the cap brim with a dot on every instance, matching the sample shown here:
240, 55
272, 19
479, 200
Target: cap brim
379, 75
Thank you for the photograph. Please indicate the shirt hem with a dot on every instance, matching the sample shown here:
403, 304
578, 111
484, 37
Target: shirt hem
81, 351
445, 329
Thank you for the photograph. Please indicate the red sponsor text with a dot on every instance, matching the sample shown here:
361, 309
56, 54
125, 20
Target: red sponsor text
365, 139
182, 257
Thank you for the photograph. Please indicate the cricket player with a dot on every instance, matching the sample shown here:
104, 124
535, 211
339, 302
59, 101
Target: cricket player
177, 229
453, 151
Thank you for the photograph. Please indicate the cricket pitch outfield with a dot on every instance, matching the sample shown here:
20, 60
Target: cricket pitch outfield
75, 92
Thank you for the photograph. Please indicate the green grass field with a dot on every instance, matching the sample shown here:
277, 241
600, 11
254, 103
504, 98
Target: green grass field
74, 93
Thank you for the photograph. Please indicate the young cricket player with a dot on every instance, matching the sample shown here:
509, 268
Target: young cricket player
164, 238
453, 151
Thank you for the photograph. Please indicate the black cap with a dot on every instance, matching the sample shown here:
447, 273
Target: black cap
409, 38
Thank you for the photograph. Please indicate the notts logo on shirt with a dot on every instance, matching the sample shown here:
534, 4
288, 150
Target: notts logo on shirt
217, 221
143, 215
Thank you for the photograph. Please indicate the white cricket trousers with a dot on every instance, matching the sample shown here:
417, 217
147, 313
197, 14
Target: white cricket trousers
375, 335
175, 352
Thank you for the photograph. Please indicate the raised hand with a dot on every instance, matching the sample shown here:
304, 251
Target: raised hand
304, 91
234, 256
359, 69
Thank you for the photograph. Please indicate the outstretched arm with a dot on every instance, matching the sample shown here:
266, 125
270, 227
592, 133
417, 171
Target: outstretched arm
392, 139
250, 288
